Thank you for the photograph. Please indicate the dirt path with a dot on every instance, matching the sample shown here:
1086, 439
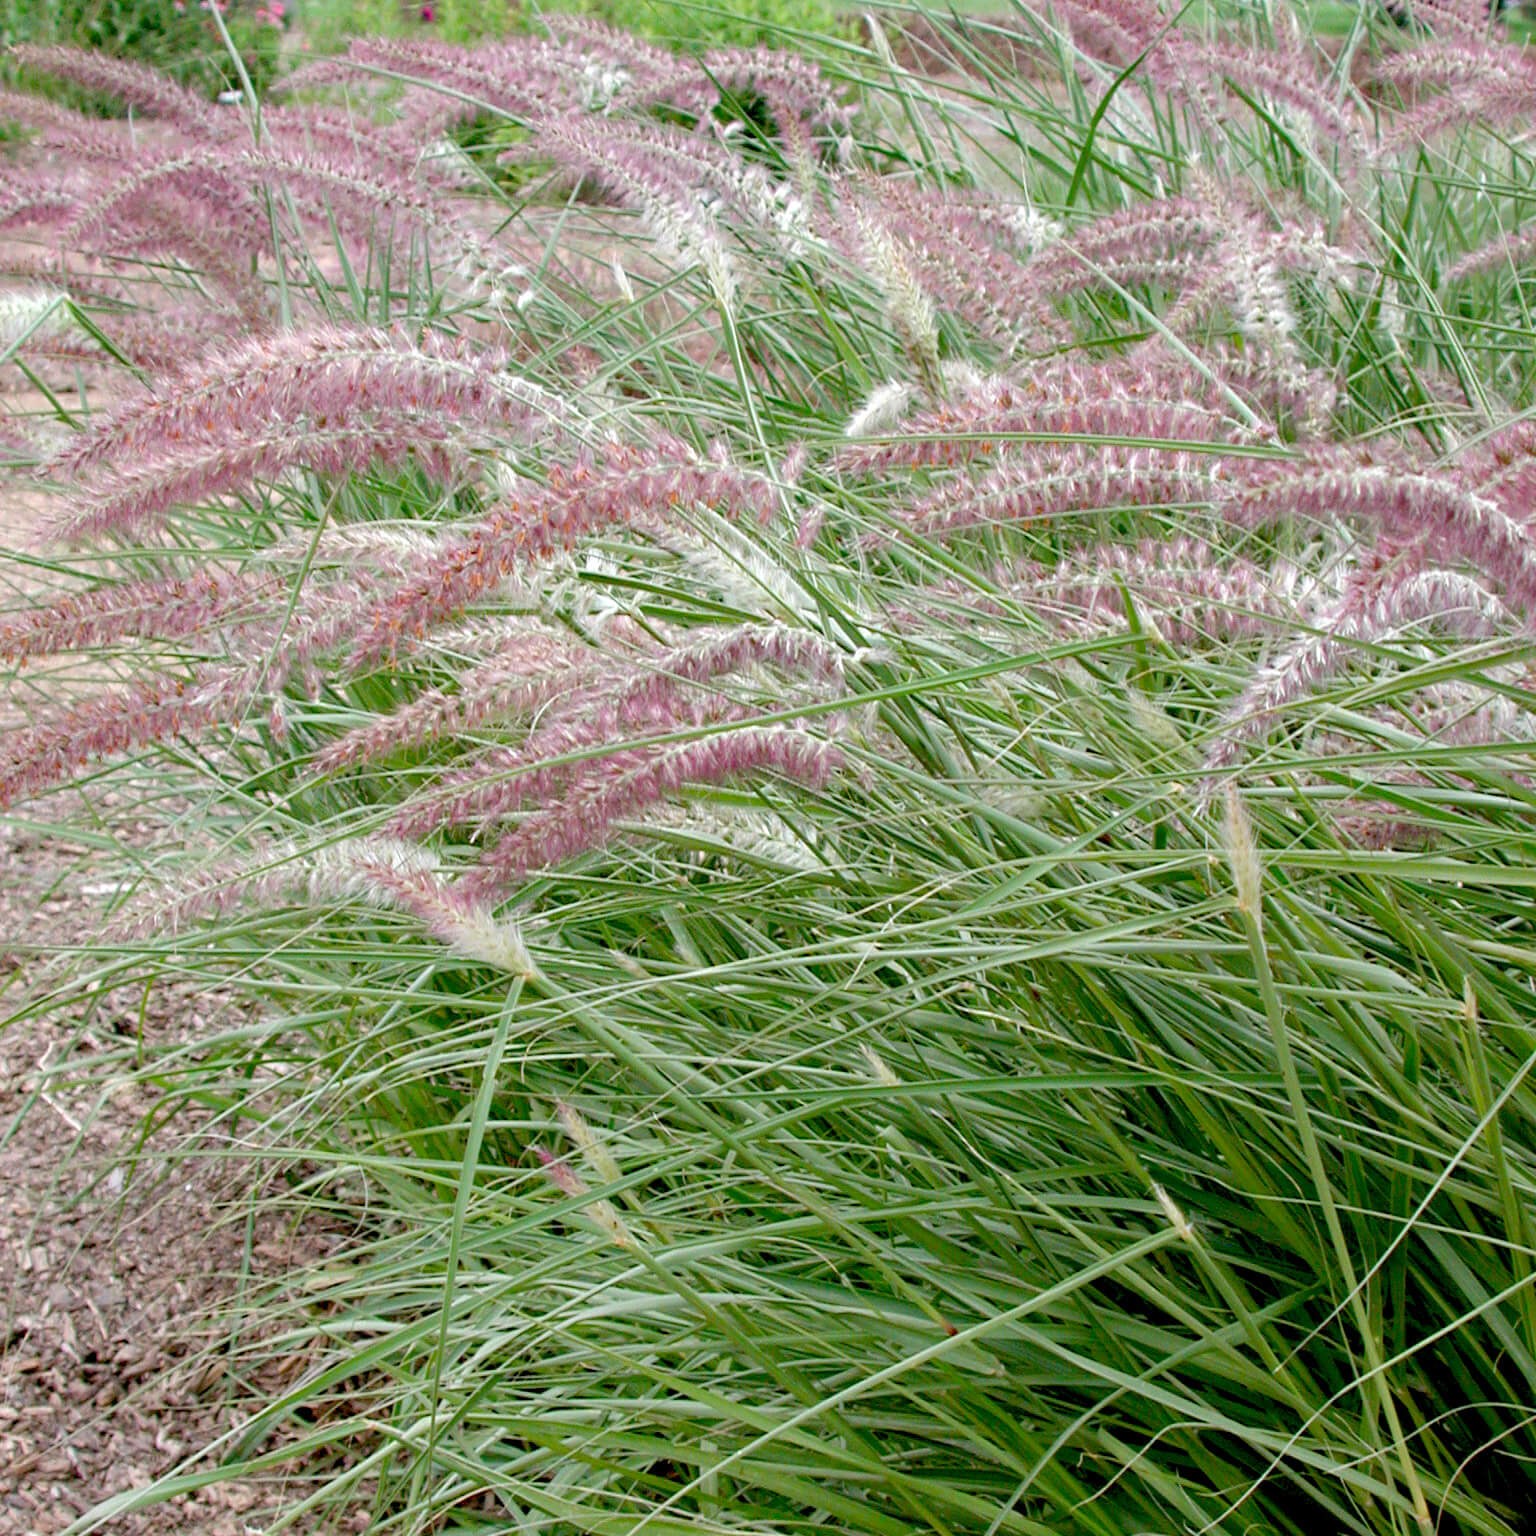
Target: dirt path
111, 1368
112, 1362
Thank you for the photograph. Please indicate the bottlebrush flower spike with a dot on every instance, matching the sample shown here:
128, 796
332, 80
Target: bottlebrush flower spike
962, 259
344, 141
646, 66
1377, 606
447, 913
381, 870
1485, 83
1464, 21
1181, 589
596, 1151
1292, 78
1453, 523
1451, 715
1142, 399
1507, 253
273, 876
1115, 31
493, 785
678, 182
1192, 69
626, 783
135, 501
745, 573
1503, 467
1462, 714
61, 128
561, 1174
882, 411
623, 485
158, 709
1439, 63
907, 304
169, 231
33, 314
34, 205
135, 85
1241, 283
1161, 241
163, 607
327, 399
1282, 387
52, 752
1241, 280
620, 701
321, 372
226, 185
1243, 855
232, 213
379, 201
785, 79
115, 205
1042, 484
520, 676
522, 78
601, 1213
38, 269
171, 339
583, 65
585, 695
15, 442
660, 710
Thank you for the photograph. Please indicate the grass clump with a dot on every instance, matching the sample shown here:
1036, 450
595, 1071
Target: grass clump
865, 760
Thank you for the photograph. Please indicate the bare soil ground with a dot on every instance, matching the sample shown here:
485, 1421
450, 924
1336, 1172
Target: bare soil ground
112, 1362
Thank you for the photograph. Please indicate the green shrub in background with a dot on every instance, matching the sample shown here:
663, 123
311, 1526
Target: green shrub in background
179, 36
327, 24
693, 27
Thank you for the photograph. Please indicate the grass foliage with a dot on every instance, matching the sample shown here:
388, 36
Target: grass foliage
1031, 1128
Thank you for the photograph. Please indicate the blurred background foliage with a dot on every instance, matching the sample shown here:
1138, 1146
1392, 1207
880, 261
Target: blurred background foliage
184, 38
